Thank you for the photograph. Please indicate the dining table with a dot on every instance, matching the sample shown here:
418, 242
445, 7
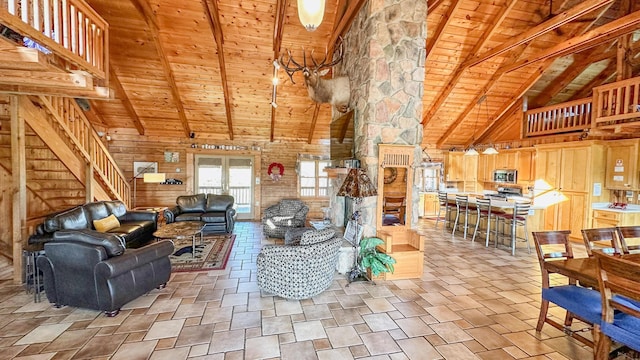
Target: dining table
584, 270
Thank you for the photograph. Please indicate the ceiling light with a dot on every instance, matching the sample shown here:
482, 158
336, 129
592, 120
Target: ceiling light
490, 151
471, 151
274, 81
310, 13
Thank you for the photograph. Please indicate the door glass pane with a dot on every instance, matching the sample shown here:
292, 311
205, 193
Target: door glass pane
240, 177
209, 176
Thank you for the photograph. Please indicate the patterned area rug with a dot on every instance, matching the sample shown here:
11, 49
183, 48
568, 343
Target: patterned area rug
213, 254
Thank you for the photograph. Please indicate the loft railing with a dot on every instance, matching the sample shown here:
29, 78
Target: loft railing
69, 28
79, 130
617, 103
570, 116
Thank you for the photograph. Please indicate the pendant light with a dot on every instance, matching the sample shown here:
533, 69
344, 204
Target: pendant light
310, 13
471, 151
490, 150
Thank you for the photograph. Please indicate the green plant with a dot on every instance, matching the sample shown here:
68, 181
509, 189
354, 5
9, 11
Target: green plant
371, 258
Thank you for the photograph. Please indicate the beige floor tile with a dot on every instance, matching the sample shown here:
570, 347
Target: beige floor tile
379, 343
245, 320
100, 346
379, 322
135, 351
456, 352
414, 327
343, 336
195, 335
276, 325
450, 332
170, 354
528, 343
262, 348
74, 339
165, 329
298, 350
227, 341
317, 312
43, 334
335, 354
288, 307
309, 330
443, 313
378, 305
418, 348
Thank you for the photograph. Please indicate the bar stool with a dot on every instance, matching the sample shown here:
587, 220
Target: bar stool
462, 207
447, 207
484, 211
514, 220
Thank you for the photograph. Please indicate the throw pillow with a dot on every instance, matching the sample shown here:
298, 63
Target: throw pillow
312, 237
106, 224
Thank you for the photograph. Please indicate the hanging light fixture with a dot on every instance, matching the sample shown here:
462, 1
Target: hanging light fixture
490, 150
472, 150
310, 13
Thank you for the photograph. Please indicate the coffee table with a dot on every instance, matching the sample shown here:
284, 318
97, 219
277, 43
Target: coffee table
182, 230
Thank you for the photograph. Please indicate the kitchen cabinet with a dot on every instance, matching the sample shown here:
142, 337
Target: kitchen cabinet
506, 159
454, 166
622, 165
486, 165
526, 165
603, 218
565, 176
430, 204
470, 167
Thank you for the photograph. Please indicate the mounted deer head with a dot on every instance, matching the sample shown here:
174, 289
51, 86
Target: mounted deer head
335, 91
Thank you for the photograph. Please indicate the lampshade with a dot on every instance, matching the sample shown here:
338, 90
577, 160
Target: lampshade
311, 13
490, 151
471, 151
154, 177
357, 185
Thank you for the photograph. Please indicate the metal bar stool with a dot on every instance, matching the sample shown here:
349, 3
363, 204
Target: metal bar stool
462, 207
514, 220
484, 211
447, 207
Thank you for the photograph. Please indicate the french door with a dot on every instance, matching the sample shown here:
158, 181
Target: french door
227, 175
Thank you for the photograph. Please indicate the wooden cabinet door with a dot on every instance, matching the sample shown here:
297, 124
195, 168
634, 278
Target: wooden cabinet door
621, 171
547, 168
526, 165
572, 213
431, 204
576, 167
470, 166
506, 159
486, 165
454, 166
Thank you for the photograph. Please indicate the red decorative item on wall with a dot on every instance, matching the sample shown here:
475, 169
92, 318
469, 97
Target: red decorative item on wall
275, 176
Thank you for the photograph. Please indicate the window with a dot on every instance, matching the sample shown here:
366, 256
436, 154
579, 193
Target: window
312, 180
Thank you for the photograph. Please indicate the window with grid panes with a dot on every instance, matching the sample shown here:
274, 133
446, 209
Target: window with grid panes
312, 180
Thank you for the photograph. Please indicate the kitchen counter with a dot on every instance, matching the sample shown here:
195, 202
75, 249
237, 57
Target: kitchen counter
631, 209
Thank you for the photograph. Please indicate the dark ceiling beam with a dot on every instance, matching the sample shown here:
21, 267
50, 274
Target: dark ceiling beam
147, 13
213, 16
526, 85
437, 34
122, 95
459, 70
555, 22
344, 23
278, 28
432, 5
591, 38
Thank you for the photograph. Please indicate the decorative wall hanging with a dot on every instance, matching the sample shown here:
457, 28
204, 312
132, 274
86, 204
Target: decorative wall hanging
390, 175
276, 174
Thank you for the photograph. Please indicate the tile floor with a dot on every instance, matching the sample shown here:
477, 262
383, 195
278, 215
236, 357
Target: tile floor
471, 303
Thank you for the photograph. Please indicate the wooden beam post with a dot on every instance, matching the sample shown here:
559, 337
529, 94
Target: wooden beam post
19, 184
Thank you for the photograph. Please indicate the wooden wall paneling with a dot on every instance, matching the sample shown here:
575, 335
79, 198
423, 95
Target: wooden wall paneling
19, 182
6, 210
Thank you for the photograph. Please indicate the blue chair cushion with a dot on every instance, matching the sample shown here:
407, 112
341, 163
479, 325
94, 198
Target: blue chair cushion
633, 304
584, 303
625, 329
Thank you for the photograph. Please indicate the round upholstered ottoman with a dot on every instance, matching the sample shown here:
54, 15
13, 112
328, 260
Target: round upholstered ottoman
292, 236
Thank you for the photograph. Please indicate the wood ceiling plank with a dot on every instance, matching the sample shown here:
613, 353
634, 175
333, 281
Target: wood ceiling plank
213, 17
122, 95
149, 17
599, 79
439, 32
459, 70
591, 38
565, 17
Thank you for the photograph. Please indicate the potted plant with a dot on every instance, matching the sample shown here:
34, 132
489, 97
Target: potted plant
372, 260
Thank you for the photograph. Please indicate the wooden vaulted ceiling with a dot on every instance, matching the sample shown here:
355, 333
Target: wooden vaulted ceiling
205, 67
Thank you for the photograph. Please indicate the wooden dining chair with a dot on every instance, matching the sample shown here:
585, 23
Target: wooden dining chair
581, 303
625, 233
619, 281
605, 239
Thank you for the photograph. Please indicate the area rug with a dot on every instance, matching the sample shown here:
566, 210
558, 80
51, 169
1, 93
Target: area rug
213, 254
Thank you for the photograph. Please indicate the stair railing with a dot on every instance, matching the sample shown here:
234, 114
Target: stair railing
77, 127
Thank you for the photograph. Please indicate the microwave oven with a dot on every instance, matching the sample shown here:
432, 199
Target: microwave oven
505, 176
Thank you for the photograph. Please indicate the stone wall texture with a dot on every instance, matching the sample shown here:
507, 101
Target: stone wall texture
384, 58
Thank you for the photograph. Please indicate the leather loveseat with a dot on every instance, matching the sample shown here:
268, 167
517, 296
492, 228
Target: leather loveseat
215, 210
89, 269
135, 227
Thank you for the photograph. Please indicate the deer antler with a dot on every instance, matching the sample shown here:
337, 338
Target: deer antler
292, 70
334, 62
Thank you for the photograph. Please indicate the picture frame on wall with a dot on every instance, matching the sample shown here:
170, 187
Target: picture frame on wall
144, 167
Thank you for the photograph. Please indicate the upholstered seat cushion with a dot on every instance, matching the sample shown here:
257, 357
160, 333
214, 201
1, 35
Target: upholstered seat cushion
584, 303
312, 237
192, 203
192, 216
214, 217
